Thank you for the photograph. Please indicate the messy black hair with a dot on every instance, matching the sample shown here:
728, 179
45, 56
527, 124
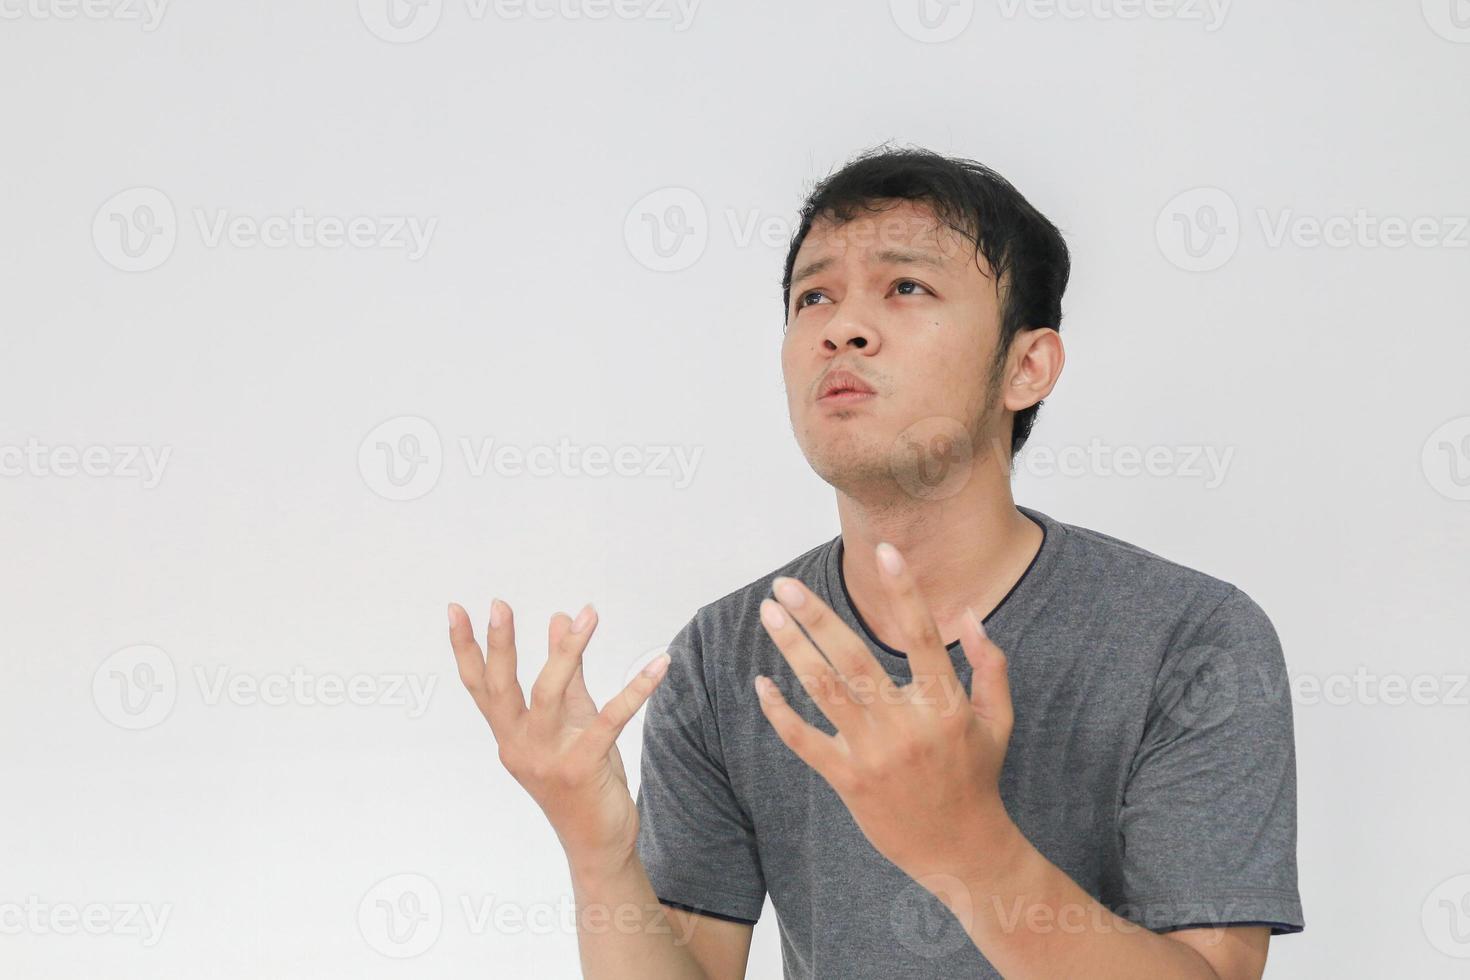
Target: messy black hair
1024, 250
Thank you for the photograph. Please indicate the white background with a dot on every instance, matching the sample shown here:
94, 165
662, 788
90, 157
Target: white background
540, 311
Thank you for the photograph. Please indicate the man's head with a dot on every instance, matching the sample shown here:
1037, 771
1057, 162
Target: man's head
935, 282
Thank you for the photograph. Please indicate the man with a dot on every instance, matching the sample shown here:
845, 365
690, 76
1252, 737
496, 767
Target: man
960, 739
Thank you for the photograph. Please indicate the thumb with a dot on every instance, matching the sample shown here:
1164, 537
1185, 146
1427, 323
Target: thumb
990, 686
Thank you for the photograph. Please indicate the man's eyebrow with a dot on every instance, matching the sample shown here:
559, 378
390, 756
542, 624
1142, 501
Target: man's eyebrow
893, 256
810, 269
889, 256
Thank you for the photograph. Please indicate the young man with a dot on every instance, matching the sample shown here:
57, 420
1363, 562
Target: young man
963, 739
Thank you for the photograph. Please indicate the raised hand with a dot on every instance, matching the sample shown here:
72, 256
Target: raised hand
561, 748
915, 764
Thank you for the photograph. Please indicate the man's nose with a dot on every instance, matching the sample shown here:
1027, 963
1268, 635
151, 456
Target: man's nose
851, 326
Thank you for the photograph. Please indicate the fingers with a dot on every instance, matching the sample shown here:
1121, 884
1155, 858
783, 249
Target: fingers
814, 747
927, 653
827, 689
621, 707
565, 641
834, 638
500, 660
990, 686
485, 678
466, 651
577, 689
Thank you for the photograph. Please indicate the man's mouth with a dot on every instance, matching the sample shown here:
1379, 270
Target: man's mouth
847, 396
844, 386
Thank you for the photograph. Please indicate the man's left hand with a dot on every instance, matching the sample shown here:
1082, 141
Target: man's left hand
918, 765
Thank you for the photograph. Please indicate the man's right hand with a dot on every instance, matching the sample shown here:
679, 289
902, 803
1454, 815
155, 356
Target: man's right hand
561, 748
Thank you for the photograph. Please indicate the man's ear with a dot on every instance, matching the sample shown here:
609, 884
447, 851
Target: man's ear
1034, 364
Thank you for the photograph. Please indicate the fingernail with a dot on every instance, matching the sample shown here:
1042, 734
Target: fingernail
889, 557
789, 592
655, 668
583, 620
979, 626
772, 614
451, 615
494, 613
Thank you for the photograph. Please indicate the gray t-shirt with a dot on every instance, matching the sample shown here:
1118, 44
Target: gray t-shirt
1151, 760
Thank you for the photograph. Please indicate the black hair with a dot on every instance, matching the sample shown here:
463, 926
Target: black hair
1024, 250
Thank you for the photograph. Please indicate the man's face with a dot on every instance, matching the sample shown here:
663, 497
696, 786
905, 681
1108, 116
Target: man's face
898, 299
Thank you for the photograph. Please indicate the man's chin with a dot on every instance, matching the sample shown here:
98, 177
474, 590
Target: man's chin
930, 459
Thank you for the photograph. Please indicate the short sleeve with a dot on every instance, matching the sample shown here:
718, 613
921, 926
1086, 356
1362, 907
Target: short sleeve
695, 839
1208, 821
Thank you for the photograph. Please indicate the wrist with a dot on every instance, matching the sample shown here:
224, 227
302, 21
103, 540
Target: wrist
994, 851
592, 867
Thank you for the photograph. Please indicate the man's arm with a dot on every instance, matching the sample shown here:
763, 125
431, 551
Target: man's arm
1234, 951
563, 751
721, 947
639, 943
1031, 920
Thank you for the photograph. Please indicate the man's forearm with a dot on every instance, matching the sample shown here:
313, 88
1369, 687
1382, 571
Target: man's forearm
623, 932
1030, 919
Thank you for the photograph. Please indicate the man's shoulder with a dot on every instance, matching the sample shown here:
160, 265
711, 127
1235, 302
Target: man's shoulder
1113, 560
1121, 571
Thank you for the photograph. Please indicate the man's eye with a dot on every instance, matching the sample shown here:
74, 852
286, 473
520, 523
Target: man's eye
909, 282
806, 296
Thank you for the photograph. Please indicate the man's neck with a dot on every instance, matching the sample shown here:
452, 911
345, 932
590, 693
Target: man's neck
967, 549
